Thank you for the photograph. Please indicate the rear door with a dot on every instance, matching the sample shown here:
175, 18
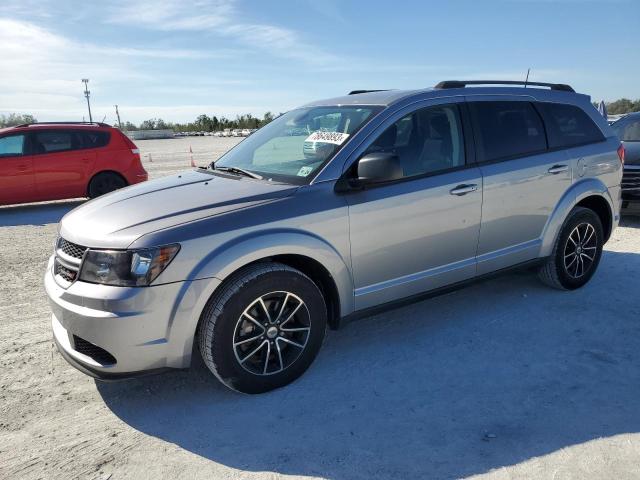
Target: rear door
522, 180
16, 171
61, 163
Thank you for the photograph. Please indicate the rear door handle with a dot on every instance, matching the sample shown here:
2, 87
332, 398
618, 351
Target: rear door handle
463, 189
558, 169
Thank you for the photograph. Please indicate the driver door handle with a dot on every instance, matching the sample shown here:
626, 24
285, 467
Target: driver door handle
463, 189
558, 169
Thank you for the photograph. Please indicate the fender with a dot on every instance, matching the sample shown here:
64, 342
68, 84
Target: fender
236, 253
580, 190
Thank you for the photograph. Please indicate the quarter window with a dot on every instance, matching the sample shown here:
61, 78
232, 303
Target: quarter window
11, 145
569, 126
426, 141
507, 129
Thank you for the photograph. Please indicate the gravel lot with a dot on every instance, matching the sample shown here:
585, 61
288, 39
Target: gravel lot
505, 379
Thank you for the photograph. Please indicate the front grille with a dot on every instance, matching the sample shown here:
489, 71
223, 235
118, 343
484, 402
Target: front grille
71, 249
98, 354
64, 272
67, 261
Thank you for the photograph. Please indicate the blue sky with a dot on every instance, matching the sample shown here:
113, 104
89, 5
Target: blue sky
179, 58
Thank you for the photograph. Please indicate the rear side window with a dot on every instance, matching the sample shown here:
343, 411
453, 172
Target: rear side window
11, 145
507, 129
569, 126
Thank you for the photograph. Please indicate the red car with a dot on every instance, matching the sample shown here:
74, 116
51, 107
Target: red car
52, 161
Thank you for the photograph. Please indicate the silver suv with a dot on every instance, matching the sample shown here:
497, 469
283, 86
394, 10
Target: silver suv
403, 194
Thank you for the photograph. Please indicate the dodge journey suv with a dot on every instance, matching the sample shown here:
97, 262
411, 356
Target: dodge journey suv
332, 210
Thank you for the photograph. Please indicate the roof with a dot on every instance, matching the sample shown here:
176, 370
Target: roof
454, 88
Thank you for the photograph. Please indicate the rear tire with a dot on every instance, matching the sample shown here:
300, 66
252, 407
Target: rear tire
105, 182
263, 328
577, 251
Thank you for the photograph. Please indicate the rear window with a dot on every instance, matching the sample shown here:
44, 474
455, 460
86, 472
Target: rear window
507, 129
569, 126
627, 129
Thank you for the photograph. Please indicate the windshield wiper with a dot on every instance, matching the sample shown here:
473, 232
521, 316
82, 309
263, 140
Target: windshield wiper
241, 171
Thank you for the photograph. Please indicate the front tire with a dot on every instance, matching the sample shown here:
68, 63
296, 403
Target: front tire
263, 328
577, 251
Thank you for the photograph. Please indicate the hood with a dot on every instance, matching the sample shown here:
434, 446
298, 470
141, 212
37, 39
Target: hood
117, 219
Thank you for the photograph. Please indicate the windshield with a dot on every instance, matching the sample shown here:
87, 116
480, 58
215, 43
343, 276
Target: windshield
293, 147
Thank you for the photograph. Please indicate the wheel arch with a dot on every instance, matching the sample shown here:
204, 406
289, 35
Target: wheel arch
303, 251
589, 193
114, 172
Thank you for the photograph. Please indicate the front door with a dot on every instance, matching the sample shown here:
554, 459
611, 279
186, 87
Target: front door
16, 171
421, 232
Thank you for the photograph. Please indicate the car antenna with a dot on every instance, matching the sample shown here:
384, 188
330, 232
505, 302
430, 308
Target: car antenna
527, 79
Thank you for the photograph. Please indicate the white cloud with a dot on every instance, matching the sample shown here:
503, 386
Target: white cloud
217, 17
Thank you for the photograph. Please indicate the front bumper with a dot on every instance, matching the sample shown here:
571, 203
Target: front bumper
128, 331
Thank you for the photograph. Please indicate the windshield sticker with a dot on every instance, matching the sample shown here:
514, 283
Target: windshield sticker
336, 138
304, 171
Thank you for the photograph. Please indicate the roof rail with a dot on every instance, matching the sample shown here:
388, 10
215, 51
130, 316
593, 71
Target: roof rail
100, 124
463, 83
356, 92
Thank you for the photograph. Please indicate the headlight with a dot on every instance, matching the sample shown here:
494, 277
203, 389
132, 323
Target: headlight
126, 268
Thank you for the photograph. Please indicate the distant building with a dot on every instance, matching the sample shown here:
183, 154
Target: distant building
148, 134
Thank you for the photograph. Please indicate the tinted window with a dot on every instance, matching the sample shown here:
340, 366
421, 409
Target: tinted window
94, 139
628, 129
568, 125
426, 141
56, 141
507, 129
11, 145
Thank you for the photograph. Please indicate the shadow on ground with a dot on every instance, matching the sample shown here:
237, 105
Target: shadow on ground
489, 376
37, 213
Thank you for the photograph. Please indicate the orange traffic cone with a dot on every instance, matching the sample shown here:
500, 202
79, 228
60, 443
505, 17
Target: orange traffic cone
193, 164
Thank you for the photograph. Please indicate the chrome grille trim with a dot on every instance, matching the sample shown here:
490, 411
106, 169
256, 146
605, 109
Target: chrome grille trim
67, 262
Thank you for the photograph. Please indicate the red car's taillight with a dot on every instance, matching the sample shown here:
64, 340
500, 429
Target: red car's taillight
134, 148
621, 153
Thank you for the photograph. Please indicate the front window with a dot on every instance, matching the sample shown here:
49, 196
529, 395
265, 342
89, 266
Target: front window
11, 145
296, 145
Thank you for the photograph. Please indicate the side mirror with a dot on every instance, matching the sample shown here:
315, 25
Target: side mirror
379, 167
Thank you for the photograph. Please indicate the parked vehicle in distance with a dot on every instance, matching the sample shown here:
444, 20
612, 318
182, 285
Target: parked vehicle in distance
245, 132
628, 131
250, 259
53, 161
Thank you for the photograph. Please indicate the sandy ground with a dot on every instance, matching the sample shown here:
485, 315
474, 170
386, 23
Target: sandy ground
506, 379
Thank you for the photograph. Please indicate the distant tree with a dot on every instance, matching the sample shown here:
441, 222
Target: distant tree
14, 119
129, 127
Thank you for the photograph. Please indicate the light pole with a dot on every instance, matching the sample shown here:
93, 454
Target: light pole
118, 115
86, 94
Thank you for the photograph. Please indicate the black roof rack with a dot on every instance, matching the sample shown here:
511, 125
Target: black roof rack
463, 83
100, 124
356, 92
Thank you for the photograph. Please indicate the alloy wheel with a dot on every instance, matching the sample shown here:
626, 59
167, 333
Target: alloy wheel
271, 333
580, 250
